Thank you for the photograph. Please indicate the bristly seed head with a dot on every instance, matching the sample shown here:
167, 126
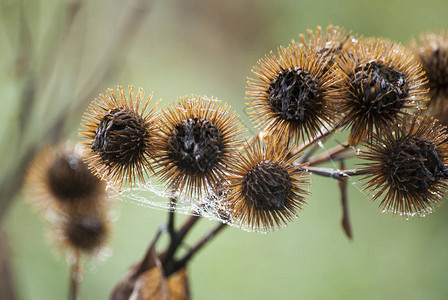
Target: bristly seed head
294, 94
410, 163
58, 179
380, 84
330, 44
85, 233
267, 185
265, 190
69, 178
378, 89
197, 145
120, 136
431, 51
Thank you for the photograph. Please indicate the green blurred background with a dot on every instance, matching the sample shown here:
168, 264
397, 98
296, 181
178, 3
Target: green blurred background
207, 47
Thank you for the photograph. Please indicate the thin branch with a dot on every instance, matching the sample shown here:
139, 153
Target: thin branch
329, 154
324, 133
346, 225
7, 286
75, 277
177, 240
171, 216
308, 154
336, 174
148, 260
183, 262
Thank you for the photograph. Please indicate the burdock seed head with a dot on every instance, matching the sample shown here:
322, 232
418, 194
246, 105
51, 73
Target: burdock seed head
381, 82
330, 43
84, 231
120, 136
431, 51
407, 166
292, 95
265, 189
196, 145
58, 178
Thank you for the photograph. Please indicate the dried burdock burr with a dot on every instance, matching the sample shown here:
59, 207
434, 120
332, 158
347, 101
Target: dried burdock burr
73, 199
82, 231
292, 96
407, 167
119, 136
330, 43
381, 83
431, 50
266, 190
58, 179
196, 144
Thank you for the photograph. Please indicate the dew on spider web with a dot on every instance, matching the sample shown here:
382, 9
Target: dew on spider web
154, 196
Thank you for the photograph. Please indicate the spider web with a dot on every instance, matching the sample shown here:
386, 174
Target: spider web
155, 196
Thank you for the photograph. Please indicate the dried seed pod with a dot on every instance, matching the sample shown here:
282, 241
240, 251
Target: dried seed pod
292, 95
330, 43
120, 136
381, 82
83, 231
147, 280
151, 285
408, 166
196, 145
431, 51
58, 179
179, 286
265, 189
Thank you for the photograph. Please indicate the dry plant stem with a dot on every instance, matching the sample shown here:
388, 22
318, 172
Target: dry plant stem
53, 47
177, 239
7, 286
171, 216
344, 154
146, 261
327, 155
308, 154
178, 265
70, 115
75, 277
322, 135
24, 70
346, 225
336, 174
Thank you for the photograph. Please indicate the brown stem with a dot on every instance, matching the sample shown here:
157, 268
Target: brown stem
147, 262
171, 216
75, 277
7, 286
336, 174
305, 158
183, 262
330, 154
321, 135
177, 239
346, 225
